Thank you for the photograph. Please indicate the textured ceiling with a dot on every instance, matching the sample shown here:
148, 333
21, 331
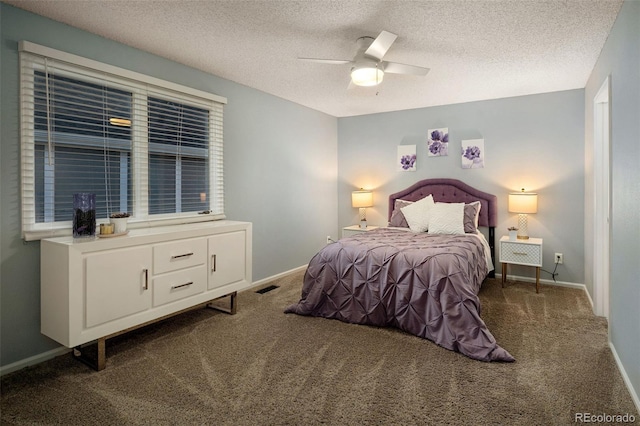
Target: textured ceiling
476, 50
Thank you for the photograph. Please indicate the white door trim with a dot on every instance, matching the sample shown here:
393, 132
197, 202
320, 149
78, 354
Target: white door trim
602, 201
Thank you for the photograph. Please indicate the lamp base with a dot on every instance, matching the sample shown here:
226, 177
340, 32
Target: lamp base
363, 218
523, 233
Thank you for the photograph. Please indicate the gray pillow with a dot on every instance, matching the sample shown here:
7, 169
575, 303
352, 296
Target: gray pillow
471, 212
397, 217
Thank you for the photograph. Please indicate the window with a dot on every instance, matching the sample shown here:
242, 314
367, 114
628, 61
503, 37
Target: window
178, 157
142, 145
86, 154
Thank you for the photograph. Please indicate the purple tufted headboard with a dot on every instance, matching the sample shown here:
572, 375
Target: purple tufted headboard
450, 191
454, 191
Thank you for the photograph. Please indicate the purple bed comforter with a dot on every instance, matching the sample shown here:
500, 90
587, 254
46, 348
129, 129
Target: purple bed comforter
426, 285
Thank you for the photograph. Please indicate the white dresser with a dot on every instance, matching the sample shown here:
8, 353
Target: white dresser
92, 289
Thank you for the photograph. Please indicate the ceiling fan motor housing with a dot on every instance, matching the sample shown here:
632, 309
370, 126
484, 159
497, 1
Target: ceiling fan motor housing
368, 68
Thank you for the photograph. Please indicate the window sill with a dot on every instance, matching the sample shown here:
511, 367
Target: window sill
40, 234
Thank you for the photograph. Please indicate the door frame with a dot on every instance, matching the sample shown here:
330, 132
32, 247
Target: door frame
602, 198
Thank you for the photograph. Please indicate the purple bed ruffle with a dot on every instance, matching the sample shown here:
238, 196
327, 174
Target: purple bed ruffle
423, 284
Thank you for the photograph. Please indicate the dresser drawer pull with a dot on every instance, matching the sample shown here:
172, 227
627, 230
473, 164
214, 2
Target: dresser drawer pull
181, 255
520, 253
175, 287
213, 262
146, 279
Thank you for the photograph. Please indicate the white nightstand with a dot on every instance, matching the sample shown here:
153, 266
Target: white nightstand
349, 231
521, 252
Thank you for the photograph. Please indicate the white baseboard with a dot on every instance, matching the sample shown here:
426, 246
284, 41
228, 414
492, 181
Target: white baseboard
547, 282
625, 377
33, 360
556, 283
591, 301
551, 282
275, 277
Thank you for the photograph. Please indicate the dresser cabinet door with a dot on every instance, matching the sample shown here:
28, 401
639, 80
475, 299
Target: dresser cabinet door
117, 284
227, 258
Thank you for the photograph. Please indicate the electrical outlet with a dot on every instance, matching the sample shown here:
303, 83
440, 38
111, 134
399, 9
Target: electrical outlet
559, 258
329, 239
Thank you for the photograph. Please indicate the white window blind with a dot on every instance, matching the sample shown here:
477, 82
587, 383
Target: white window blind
143, 146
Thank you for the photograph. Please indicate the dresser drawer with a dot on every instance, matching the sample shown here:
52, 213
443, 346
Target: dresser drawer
178, 285
521, 253
179, 255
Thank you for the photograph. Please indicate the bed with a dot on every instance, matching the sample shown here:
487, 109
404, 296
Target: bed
424, 283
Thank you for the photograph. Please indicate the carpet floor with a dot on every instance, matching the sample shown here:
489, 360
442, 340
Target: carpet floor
262, 366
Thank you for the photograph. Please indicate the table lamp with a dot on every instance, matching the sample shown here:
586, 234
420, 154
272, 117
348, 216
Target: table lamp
523, 203
362, 199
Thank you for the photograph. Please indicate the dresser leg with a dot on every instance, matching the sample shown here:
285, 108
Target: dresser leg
97, 362
537, 280
233, 304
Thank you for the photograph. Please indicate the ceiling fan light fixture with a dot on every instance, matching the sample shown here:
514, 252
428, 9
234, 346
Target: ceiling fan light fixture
367, 76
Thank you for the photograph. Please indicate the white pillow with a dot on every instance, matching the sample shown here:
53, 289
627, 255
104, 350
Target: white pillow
417, 214
446, 218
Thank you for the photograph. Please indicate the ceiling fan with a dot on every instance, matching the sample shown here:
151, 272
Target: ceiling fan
368, 68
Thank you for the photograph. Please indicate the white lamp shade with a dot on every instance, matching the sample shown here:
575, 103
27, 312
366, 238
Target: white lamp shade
523, 202
362, 198
367, 76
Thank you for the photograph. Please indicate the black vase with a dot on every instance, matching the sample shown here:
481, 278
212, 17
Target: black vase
84, 215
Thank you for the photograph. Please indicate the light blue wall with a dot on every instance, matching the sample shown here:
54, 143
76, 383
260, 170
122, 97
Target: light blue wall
280, 170
620, 59
535, 142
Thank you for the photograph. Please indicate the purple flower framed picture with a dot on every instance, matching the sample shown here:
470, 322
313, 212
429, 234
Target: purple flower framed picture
473, 154
438, 142
406, 158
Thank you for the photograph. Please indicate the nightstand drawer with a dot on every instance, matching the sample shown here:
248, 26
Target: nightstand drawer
521, 254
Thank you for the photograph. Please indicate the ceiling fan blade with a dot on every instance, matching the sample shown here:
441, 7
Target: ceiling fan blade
396, 68
326, 61
381, 45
